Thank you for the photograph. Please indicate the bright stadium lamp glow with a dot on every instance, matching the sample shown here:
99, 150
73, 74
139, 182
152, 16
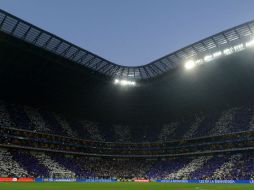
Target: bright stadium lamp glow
116, 81
217, 54
199, 62
208, 58
238, 47
228, 51
124, 82
190, 65
250, 43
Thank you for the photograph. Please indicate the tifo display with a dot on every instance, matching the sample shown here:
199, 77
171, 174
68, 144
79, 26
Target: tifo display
70, 119
47, 153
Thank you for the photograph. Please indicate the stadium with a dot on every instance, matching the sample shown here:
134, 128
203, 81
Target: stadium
185, 120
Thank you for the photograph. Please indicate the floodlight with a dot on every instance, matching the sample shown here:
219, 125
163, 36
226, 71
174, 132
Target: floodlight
217, 54
116, 81
228, 51
124, 82
208, 58
238, 47
189, 65
214, 55
250, 43
199, 62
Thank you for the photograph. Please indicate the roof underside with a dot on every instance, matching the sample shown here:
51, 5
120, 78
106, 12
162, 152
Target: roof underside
30, 75
23, 30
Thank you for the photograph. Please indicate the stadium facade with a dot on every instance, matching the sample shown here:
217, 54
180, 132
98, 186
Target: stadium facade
65, 111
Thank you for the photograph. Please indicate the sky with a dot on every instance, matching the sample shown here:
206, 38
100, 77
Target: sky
132, 32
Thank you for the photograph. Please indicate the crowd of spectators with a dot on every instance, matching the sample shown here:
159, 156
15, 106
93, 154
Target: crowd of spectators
29, 139
30, 164
9, 167
20, 163
40, 130
235, 119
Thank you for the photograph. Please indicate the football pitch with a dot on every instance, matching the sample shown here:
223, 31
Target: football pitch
122, 186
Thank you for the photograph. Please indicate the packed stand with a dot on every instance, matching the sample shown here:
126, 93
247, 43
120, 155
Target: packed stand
41, 164
232, 120
30, 164
228, 166
9, 167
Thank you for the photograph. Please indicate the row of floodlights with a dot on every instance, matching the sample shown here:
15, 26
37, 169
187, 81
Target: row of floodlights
191, 63
123, 82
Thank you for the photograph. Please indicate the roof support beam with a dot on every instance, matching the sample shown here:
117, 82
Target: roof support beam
14, 28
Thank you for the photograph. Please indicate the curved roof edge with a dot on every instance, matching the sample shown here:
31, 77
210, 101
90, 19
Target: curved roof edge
21, 29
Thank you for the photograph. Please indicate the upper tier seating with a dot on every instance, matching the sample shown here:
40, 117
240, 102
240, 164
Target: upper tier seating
235, 119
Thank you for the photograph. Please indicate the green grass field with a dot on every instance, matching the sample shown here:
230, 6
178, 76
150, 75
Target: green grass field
122, 186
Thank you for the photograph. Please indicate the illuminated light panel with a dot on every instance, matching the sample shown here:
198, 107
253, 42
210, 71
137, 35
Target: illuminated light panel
208, 58
217, 54
250, 43
199, 62
238, 47
116, 81
228, 51
190, 65
124, 82
233, 49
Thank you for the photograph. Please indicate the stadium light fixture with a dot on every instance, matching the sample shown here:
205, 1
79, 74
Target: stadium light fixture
217, 54
238, 47
199, 62
208, 58
190, 65
250, 43
228, 51
124, 82
214, 55
116, 81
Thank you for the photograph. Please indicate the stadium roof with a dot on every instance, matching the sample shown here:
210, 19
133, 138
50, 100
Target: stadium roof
200, 51
35, 76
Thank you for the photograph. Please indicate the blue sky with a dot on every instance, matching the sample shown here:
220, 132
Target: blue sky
132, 32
